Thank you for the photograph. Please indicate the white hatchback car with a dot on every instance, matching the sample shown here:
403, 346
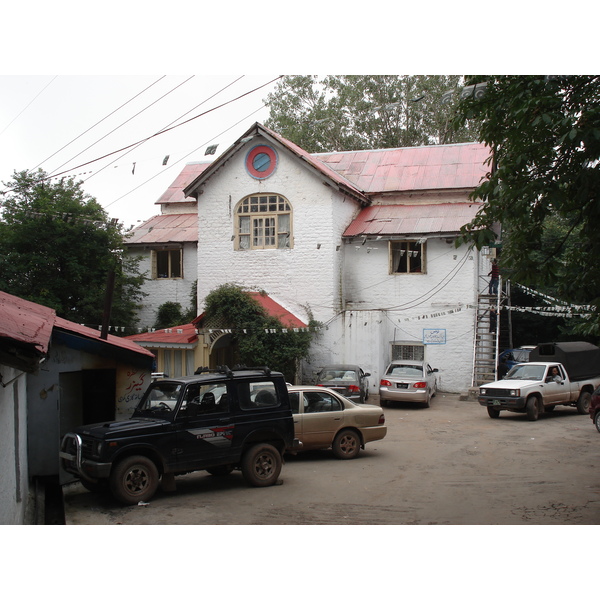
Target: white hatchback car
408, 381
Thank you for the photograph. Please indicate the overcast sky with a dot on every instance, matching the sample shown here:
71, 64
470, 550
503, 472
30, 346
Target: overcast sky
64, 124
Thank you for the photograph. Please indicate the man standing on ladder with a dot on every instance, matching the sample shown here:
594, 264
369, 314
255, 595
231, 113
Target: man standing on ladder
494, 278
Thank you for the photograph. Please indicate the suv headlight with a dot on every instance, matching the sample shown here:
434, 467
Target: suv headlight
515, 392
482, 391
97, 448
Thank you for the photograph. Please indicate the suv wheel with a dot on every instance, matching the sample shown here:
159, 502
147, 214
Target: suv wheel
134, 479
261, 465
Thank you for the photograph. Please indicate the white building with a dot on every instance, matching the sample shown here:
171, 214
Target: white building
361, 241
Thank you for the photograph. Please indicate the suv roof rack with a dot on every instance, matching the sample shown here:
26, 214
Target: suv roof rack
225, 370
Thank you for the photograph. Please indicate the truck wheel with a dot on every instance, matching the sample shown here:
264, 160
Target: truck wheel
494, 413
134, 479
346, 444
597, 421
261, 465
583, 403
533, 408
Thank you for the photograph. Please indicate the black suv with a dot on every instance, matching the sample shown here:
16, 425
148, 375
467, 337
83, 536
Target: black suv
214, 420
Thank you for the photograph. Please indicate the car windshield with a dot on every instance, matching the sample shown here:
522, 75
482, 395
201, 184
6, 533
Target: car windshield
337, 375
161, 396
531, 372
405, 370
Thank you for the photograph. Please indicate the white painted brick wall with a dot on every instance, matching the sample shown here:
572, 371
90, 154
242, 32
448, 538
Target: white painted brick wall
166, 290
305, 275
383, 308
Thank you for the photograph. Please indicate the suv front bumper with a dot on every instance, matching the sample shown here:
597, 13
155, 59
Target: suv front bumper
77, 465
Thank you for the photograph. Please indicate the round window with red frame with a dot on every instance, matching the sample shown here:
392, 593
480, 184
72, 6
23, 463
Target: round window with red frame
261, 162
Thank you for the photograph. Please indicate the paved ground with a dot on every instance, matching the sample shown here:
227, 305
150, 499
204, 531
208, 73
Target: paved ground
447, 465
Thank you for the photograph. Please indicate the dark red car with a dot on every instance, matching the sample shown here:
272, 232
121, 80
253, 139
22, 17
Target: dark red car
595, 408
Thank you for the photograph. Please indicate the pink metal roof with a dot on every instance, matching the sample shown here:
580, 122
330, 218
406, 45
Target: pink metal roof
94, 334
33, 323
180, 334
412, 219
174, 192
454, 166
163, 229
274, 309
26, 321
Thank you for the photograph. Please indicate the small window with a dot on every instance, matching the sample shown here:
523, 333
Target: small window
167, 264
407, 257
408, 352
263, 222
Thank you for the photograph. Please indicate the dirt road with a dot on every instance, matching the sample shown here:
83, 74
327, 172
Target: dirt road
449, 464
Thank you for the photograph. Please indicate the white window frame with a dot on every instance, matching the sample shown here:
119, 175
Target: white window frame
263, 222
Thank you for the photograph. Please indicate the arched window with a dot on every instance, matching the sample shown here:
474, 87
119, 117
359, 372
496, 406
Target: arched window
263, 221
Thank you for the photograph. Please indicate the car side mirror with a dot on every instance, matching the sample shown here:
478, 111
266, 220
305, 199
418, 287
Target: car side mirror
435, 370
367, 375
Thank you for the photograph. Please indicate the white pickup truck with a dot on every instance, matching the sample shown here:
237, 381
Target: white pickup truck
540, 385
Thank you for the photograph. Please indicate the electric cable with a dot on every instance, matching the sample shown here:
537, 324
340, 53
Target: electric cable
165, 130
181, 159
121, 125
28, 105
168, 125
98, 123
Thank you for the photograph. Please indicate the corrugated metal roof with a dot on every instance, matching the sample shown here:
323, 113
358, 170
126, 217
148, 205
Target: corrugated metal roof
454, 166
412, 219
274, 309
258, 129
33, 323
93, 334
180, 334
164, 229
26, 322
174, 192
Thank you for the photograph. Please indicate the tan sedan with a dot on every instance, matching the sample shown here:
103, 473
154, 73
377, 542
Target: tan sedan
325, 419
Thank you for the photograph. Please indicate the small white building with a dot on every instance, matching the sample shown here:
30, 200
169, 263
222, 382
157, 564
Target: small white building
362, 242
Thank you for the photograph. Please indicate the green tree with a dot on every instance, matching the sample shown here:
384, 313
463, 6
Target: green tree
544, 182
57, 247
354, 112
229, 306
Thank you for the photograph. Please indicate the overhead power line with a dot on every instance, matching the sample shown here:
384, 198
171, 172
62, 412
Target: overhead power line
97, 123
28, 105
127, 121
165, 130
171, 123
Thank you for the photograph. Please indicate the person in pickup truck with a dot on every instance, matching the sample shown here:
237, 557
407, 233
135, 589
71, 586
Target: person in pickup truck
555, 375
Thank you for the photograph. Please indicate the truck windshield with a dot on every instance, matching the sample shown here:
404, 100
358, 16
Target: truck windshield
531, 372
161, 396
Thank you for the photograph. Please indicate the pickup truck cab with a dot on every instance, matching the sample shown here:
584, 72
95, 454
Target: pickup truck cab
217, 421
536, 387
